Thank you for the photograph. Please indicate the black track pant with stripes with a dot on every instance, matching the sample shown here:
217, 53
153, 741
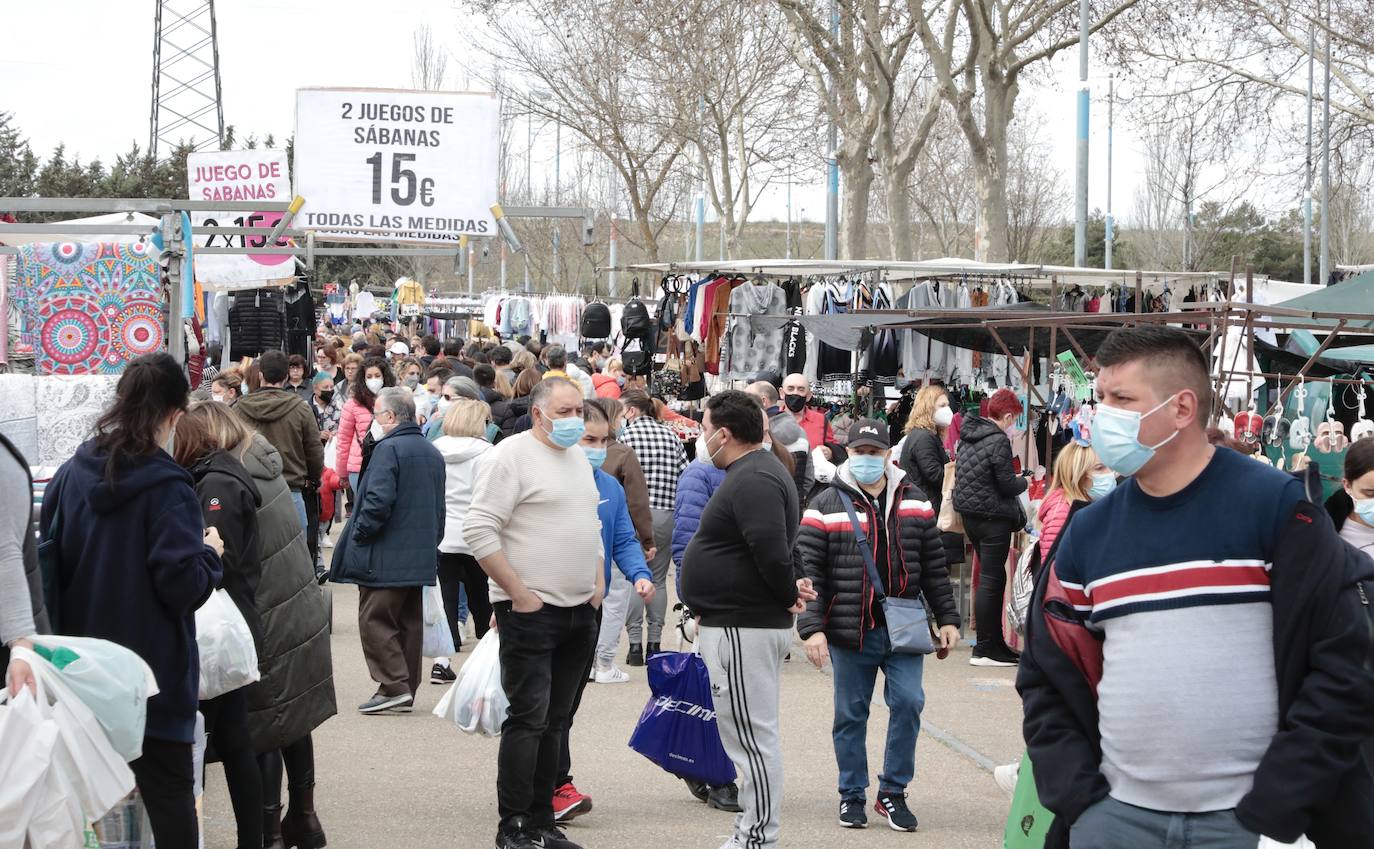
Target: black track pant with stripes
745, 665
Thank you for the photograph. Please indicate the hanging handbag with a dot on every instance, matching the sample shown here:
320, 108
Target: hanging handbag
949, 519
908, 626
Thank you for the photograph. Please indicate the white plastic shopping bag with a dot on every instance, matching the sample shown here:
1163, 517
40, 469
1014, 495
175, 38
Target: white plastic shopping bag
86, 776
1271, 843
228, 659
476, 702
27, 741
113, 681
438, 637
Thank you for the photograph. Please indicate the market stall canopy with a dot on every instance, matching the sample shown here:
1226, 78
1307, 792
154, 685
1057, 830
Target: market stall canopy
117, 221
1353, 296
895, 270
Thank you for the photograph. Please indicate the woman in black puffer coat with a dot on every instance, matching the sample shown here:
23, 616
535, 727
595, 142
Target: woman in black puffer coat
985, 493
296, 692
924, 458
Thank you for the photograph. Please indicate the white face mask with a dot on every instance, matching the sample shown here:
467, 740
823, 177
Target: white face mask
374, 385
944, 417
376, 430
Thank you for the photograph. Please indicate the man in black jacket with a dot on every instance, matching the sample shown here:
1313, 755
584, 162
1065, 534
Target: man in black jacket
739, 577
846, 621
1198, 651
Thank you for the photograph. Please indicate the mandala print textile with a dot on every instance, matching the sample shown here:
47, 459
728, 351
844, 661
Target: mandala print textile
91, 307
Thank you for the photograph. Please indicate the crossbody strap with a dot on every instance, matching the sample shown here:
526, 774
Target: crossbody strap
864, 548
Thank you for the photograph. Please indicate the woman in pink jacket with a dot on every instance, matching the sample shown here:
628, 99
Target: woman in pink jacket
356, 419
1078, 476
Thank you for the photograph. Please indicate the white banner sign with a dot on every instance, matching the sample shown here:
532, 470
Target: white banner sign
384, 165
238, 175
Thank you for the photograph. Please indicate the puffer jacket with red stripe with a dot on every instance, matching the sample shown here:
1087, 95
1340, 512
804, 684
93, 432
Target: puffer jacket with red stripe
830, 557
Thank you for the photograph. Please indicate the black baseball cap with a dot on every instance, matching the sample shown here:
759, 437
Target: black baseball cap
869, 432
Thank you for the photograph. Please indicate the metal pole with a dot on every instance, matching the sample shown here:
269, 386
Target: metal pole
557, 197
701, 192
1325, 259
788, 251
832, 181
503, 265
1080, 230
1111, 236
1307, 171
614, 261
529, 155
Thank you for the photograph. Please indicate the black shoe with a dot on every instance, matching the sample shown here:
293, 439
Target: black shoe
892, 807
442, 675
651, 649
700, 790
852, 814
551, 837
383, 704
635, 657
724, 798
994, 656
517, 834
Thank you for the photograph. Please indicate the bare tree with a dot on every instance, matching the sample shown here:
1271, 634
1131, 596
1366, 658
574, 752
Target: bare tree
1037, 193
864, 85
941, 192
980, 72
1351, 208
430, 63
584, 55
745, 92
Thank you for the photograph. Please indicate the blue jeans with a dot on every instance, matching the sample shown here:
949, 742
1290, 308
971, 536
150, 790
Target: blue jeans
855, 674
462, 604
1110, 824
299, 500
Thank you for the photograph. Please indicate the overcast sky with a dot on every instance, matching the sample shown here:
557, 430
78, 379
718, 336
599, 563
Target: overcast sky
82, 77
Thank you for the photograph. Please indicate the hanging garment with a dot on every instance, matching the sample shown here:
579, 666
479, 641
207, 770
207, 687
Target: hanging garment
92, 307
300, 318
364, 304
793, 334
882, 359
836, 363
68, 407
922, 357
257, 322
962, 357
19, 413
754, 346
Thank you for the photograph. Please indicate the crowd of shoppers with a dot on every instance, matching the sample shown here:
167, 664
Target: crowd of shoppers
545, 495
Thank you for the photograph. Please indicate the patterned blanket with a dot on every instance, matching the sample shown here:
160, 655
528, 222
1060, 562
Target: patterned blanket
91, 308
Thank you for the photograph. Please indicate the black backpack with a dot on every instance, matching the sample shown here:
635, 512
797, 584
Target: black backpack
635, 323
596, 321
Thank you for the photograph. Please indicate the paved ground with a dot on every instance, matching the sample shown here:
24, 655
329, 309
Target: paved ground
414, 781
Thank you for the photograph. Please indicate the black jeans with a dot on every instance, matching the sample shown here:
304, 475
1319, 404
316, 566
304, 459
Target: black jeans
463, 569
226, 727
544, 657
565, 753
991, 540
166, 778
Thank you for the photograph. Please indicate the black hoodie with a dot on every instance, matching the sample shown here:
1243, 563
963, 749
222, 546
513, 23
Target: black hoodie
134, 569
229, 502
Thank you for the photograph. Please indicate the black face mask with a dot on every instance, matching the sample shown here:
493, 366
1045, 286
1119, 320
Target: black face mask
795, 403
327, 396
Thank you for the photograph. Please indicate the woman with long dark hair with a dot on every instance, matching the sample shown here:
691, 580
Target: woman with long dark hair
355, 421
136, 561
229, 503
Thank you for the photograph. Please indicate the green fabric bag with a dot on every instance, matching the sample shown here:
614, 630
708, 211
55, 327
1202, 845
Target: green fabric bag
1029, 821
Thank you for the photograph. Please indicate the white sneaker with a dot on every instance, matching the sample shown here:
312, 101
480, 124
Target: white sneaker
325, 541
611, 675
1006, 776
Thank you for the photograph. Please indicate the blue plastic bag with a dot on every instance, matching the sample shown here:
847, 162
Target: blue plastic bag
677, 729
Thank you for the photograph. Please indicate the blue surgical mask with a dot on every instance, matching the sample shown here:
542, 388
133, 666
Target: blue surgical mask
867, 468
492, 430
620, 433
565, 433
1364, 508
596, 456
1116, 438
1102, 485
243, 388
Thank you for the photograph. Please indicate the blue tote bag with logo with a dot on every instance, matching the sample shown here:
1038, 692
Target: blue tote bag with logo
677, 729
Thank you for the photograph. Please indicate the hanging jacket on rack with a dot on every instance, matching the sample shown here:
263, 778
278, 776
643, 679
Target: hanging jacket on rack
257, 322
754, 346
793, 334
300, 318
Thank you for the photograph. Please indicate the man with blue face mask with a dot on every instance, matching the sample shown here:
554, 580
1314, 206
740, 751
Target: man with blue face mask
846, 621
1198, 644
533, 528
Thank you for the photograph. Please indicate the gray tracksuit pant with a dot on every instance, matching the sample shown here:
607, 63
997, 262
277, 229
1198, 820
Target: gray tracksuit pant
745, 665
658, 567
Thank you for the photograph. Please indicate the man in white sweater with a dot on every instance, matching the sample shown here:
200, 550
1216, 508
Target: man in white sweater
533, 527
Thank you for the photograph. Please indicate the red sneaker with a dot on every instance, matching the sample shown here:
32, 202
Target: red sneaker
569, 804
